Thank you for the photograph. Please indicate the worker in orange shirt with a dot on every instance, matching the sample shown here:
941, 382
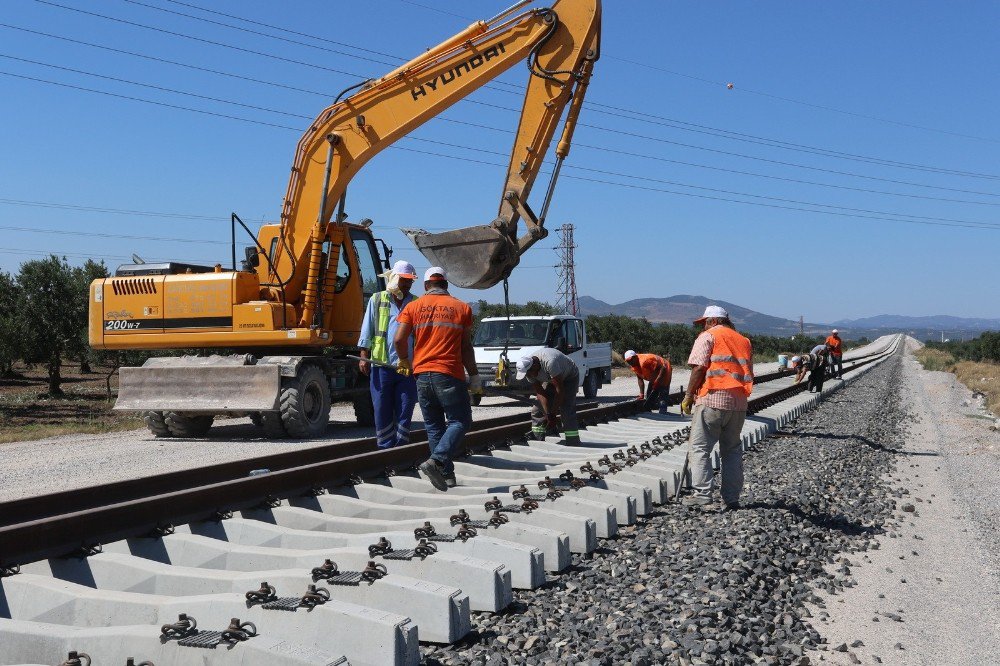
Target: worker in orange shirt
657, 371
442, 355
835, 345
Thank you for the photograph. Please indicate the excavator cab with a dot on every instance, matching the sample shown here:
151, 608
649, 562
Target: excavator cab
476, 257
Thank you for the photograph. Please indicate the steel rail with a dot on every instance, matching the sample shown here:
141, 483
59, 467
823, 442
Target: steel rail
75, 521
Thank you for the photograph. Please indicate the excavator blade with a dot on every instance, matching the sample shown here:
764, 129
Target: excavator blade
475, 257
206, 384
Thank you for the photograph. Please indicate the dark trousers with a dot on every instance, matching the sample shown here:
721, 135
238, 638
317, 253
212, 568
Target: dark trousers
656, 399
567, 410
816, 376
837, 365
444, 401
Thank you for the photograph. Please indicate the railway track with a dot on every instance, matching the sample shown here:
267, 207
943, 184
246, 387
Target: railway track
337, 554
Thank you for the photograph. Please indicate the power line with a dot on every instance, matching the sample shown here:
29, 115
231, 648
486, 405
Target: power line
879, 214
116, 211
642, 116
791, 100
725, 84
197, 39
597, 127
95, 234
257, 32
77, 255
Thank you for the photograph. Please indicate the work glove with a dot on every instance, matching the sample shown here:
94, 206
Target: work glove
404, 368
476, 385
686, 404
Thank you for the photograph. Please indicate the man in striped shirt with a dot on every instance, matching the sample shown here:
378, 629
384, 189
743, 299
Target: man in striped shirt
721, 380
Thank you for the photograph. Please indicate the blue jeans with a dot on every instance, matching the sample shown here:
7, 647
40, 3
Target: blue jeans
394, 397
444, 400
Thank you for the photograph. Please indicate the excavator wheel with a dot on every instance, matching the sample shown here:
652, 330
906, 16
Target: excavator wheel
154, 421
188, 425
305, 403
272, 424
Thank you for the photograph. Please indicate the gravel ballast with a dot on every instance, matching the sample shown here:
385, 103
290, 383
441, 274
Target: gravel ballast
689, 586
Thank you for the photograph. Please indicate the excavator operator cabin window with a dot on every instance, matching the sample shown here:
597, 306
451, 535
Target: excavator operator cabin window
343, 270
366, 255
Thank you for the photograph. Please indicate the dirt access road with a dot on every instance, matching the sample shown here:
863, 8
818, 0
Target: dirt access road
931, 593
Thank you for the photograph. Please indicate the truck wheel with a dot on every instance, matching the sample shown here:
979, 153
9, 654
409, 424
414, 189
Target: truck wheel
305, 403
188, 425
364, 410
590, 385
476, 400
154, 421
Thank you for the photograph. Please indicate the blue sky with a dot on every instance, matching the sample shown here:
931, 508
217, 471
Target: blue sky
887, 109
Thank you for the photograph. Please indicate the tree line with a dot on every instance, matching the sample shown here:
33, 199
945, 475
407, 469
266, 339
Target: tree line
670, 340
984, 348
43, 316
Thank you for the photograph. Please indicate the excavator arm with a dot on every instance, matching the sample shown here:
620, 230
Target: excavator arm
560, 45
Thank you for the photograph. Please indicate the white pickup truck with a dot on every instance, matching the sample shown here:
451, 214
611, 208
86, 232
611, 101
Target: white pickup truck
524, 335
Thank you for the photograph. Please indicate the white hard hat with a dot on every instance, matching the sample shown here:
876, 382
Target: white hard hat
404, 269
834, 330
630, 354
523, 365
713, 312
433, 271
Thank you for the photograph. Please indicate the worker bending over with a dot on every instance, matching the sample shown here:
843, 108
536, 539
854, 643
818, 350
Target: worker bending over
721, 380
657, 371
555, 379
836, 346
393, 395
819, 354
442, 355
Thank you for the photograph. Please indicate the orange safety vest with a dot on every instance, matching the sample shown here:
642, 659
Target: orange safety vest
731, 365
649, 366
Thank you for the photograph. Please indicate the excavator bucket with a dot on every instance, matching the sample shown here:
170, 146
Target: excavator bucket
475, 257
214, 384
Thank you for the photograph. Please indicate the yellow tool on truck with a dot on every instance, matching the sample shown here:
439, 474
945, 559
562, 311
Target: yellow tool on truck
295, 307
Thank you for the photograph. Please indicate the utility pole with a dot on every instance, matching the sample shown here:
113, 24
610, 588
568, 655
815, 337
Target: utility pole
802, 325
566, 289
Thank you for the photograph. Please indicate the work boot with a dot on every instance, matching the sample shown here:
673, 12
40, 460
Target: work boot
696, 500
731, 506
450, 480
435, 473
572, 440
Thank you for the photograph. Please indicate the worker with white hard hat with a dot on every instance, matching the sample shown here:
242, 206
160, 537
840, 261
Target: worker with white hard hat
442, 356
716, 398
653, 369
556, 379
836, 346
393, 396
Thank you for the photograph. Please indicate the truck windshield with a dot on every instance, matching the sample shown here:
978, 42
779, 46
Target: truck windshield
522, 333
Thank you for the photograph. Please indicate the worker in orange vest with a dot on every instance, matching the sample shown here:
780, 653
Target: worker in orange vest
657, 371
721, 381
836, 346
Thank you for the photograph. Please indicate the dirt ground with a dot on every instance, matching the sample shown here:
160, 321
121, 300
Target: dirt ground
28, 412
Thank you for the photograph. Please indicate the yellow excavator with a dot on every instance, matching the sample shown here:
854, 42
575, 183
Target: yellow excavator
294, 306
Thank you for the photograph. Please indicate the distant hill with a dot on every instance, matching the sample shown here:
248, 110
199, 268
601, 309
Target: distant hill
934, 327
941, 322
684, 308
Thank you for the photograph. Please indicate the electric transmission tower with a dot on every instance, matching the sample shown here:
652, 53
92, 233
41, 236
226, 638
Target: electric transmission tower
566, 271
